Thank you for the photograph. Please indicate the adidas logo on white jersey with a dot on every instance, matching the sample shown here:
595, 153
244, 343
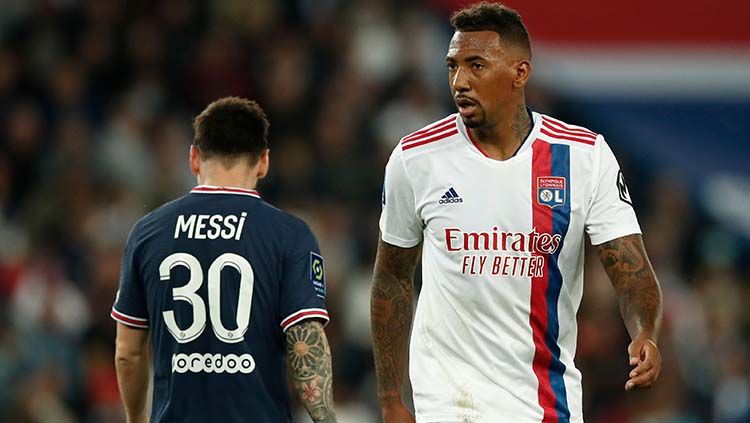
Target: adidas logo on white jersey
450, 196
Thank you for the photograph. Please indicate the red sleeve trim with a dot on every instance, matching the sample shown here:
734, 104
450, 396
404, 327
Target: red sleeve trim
125, 319
304, 314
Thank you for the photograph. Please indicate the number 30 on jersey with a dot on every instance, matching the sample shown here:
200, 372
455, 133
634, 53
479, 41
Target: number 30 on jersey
188, 294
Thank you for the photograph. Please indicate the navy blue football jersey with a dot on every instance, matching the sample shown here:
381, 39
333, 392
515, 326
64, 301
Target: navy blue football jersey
217, 276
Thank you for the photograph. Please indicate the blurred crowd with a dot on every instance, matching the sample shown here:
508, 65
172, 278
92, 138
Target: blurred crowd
96, 103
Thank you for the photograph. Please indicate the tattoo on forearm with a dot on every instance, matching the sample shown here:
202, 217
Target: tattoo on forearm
391, 313
630, 271
310, 360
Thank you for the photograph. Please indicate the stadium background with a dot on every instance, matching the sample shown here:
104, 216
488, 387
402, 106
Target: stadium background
96, 100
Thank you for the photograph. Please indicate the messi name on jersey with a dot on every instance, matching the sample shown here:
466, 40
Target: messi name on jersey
208, 226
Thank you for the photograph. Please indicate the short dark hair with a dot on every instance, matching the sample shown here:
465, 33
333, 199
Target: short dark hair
231, 127
496, 17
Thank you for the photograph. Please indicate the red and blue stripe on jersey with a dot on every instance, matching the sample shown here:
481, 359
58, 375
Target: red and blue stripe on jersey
549, 160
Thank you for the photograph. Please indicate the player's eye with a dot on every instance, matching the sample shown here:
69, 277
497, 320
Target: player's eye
451, 66
477, 66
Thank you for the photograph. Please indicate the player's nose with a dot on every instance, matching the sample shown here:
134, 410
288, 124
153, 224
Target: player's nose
460, 82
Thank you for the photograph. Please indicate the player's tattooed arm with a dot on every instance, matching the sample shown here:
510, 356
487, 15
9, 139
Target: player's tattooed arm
310, 360
640, 298
391, 314
630, 271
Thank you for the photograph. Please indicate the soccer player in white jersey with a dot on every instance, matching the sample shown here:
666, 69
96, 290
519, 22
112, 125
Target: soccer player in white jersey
497, 199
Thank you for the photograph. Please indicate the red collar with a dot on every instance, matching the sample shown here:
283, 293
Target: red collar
208, 189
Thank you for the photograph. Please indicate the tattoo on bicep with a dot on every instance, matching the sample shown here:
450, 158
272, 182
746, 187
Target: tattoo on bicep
310, 360
633, 278
391, 313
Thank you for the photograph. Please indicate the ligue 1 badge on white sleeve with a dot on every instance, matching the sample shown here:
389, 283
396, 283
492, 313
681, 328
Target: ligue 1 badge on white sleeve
550, 191
622, 189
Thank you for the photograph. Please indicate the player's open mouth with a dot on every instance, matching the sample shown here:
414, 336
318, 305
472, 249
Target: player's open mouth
465, 106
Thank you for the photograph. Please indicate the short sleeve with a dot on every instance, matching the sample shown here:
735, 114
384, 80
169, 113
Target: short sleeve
303, 285
130, 303
611, 214
399, 223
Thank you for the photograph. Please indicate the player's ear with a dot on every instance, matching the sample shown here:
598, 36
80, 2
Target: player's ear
523, 72
195, 160
263, 163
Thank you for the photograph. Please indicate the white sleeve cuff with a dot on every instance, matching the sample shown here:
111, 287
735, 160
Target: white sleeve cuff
398, 242
609, 236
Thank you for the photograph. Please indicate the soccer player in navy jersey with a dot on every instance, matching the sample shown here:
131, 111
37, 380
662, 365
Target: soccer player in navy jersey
226, 289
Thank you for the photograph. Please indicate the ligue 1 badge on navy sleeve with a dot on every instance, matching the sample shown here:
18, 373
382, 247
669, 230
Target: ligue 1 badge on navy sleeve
317, 274
550, 191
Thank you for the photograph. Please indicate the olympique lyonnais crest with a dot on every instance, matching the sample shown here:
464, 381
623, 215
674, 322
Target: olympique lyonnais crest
550, 191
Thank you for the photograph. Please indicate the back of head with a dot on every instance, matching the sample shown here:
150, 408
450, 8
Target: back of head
496, 17
231, 128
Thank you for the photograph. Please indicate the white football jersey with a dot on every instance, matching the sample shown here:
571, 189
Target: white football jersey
494, 334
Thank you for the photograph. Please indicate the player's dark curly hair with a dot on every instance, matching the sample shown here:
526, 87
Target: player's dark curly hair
496, 17
231, 127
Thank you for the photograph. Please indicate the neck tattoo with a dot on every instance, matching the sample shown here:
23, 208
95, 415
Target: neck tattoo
521, 123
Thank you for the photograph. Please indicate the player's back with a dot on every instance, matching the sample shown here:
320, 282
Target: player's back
217, 275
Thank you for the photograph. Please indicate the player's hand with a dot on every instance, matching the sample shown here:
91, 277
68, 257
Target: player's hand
397, 413
645, 356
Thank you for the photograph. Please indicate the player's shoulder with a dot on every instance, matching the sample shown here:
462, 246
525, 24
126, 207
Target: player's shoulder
154, 220
429, 137
556, 131
285, 227
282, 217
166, 210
